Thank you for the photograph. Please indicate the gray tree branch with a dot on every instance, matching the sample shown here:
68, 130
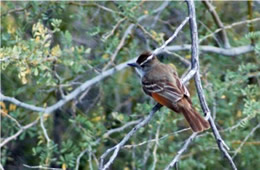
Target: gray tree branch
214, 14
117, 147
229, 27
195, 64
22, 129
235, 51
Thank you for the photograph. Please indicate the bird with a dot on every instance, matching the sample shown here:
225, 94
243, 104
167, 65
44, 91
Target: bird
161, 82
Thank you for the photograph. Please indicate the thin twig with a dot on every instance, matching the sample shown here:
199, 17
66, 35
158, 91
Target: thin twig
154, 140
244, 141
13, 119
125, 139
79, 157
22, 129
250, 16
180, 152
182, 59
159, 11
95, 5
120, 129
235, 51
90, 158
156, 147
214, 14
120, 45
229, 27
208, 29
45, 131
110, 33
41, 167
174, 35
146, 154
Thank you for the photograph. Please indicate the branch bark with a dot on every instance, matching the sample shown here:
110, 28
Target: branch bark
180, 152
222, 34
125, 139
236, 51
229, 27
195, 64
22, 129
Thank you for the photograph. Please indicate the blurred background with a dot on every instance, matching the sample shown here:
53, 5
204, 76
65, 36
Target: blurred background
48, 49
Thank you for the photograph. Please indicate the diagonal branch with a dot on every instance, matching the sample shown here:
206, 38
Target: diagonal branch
180, 152
22, 129
246, 138
117, 147
70, 96
229, 27
235, 51
174, 35
195, 64
125, 139
222, 33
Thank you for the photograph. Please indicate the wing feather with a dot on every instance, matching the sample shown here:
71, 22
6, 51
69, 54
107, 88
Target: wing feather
169, 88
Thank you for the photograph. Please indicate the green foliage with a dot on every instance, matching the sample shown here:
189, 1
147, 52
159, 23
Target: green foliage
50, 48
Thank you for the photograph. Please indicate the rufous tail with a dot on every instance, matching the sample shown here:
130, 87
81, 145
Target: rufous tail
196, 122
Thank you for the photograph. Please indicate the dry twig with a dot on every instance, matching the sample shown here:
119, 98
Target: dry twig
222, 33
195, 66
244, 141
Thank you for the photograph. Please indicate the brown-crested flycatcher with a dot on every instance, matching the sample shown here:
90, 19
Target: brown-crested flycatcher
161, 82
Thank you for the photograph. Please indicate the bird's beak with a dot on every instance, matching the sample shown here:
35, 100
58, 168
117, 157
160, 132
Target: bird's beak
133, 65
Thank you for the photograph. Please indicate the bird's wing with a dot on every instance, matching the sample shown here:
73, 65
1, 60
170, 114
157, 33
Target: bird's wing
164, 89
170, 89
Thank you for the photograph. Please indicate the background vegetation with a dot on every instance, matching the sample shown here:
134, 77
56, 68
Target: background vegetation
50, 48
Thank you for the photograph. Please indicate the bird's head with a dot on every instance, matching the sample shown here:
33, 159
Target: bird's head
144, 63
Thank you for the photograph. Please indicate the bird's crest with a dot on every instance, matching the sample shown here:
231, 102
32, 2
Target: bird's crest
144, 57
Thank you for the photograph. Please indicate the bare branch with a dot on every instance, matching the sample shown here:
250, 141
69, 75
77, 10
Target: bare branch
13, 119
125, 139
40, 167
94, 5
45, 131
214, 14
70, 96
182, 59
180, 152
209, 30
121, 128
156, 147
118, 48
229, 27
22, 129
174, 35
110, 33
159, 11
21, 104
154, 140
211, 49
79, 157
244, 141
195, 60
195, 66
